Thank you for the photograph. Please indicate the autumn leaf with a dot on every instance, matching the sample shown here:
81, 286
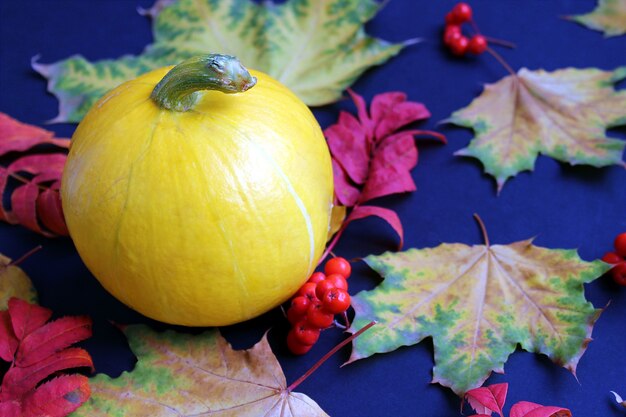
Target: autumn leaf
562, 114
14, 283
36, 351
373, 155
609, 17
194, 375
478, 303
35, 200
316, 48
491, 399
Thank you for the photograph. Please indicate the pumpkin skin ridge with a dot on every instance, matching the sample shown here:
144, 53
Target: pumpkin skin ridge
293, 137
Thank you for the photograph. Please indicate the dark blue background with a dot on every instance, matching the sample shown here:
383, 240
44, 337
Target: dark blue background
563, 206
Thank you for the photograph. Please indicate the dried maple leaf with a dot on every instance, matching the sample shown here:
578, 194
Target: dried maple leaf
491, 399
35, 202
193, 375
561, 114
316, 48
609, 17
38, 350
372, 157
478, 303
14, 283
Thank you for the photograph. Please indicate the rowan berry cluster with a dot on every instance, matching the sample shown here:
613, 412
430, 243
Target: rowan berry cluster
617, 259
453, 36
314, 306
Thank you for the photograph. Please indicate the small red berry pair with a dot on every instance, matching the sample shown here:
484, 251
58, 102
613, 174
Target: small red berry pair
618, 259
453, 36
314, 306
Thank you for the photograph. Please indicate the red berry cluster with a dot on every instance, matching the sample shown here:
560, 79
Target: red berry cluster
314, 306
617, 259
453, 37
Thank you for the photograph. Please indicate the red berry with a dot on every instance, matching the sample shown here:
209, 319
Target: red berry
300, 304
336, 300
619, 274
308, 291
612, 258
322, 287
450, 33
462, 12
293, 316
295, 346
620, 245
338, 281
458, 46
317, 277
305, 333
339, 266
477, 44
451, 19
318, 316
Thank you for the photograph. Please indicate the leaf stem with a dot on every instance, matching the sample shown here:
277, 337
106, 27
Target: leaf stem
25, 256
483, 229
500, 42
501, 60
324, 358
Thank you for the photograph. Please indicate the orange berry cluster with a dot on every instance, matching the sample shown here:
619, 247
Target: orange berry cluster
314, 306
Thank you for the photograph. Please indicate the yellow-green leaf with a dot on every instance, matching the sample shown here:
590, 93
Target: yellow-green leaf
14, 283
478, 303
317, 48
609, 17
196, 375
562, 114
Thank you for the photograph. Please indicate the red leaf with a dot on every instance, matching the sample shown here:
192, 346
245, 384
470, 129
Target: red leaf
528, 409
20, 380
26, 318
391, 111
37, 350
350, 149
19, 137
29, 206
51, 338
487, 400
345, 192
387, 215
58, 397
8, 341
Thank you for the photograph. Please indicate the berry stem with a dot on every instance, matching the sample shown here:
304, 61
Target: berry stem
475, 26
324, 358
501, 61
483, 229
500, 42
25, 256
345, 317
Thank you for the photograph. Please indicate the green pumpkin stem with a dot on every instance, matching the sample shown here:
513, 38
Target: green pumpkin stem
179, 89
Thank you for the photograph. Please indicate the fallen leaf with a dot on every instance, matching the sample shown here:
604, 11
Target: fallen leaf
35, 200
561, 114
316, 48
14, 283
483, 398
488, 400
193, 375
37, 350
372, 157
609, 17
478, 303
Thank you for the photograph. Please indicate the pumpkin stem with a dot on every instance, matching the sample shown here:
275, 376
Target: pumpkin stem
179, 89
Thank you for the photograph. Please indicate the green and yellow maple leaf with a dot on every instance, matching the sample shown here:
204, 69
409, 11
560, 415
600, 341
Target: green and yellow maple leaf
14, 283
317, 48
562, 114
478, 303
196, 375
609, 17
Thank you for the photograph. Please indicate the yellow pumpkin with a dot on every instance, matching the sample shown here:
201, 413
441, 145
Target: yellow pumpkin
194, 207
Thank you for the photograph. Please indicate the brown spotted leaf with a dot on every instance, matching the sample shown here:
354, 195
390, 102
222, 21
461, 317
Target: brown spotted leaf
478, 303
196, 375
562, 114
